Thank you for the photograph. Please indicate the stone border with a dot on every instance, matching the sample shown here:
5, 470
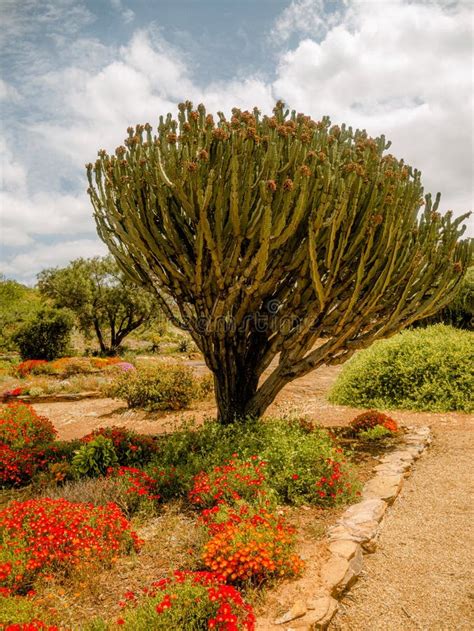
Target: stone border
355, 533
53, 398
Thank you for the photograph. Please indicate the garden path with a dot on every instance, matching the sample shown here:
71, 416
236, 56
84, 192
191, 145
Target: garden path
421, 576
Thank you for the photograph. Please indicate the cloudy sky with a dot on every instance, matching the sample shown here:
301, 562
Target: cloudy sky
76, 73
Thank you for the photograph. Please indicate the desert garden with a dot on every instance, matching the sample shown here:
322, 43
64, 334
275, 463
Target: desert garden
186, 421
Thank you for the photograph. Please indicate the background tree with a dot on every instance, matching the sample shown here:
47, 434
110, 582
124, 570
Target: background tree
276, 237
18, 304
104, 300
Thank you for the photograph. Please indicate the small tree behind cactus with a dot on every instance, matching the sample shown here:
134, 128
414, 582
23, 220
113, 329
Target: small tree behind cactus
106, 303
284, 243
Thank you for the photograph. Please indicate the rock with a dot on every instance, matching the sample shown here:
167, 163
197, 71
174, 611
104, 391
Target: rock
383, 486
298, 609
320, 616
345, 548
338, 574
367, 510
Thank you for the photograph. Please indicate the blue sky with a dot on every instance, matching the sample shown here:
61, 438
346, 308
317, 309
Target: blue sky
76, 73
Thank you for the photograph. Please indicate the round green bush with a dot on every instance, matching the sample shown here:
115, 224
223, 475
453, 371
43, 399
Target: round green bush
428, 369
47, 336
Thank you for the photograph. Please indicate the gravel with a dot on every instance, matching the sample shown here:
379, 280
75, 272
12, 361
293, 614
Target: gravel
421, 576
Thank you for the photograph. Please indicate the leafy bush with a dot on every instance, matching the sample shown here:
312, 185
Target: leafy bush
371, 419
30, 366
233, 481
188, 600
130, 447
18, 304
47, 336
375, 433
24, 436
18, 613
421, 369
46, 535
296, 459
94, 458
168, 387
131, 489
21, 427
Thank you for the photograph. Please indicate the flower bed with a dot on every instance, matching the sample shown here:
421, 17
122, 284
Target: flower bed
187, 600
23, 438
46, 535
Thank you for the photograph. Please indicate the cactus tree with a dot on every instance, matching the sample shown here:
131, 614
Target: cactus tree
279, 242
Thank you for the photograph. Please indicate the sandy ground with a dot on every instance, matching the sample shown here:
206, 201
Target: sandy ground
421, 576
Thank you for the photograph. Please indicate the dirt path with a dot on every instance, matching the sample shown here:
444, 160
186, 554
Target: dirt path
421, 576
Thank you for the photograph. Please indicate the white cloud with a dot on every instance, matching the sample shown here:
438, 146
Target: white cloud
305, 17
399, 68
127, 14
8, 92
25, 266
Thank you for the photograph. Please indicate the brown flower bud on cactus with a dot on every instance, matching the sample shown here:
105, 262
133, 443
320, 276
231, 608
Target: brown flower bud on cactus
203, 155
220, 134
194, 115
288, 184
377, 219
191, 166
305, 170
172, 138
271, 185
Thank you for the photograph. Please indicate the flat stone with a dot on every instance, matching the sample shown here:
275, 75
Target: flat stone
367, 510
383, 486
298, 609
338, 574
320, 616
345, 548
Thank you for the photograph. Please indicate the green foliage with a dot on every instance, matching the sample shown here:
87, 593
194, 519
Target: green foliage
100, 491
460, 312
105, 302
18, 610
375, 433
94, 458
421, 369
170, 387
296, 458
18, 304
261, 234
47, 336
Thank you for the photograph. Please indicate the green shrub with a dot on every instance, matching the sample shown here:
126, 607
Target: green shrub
167, 387
47, 336
18, 610
191, 601
94, 458
101, 491
375, 433
132, 449
302, 466
420, 369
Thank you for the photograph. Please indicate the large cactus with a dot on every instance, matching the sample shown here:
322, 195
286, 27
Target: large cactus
274, 237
